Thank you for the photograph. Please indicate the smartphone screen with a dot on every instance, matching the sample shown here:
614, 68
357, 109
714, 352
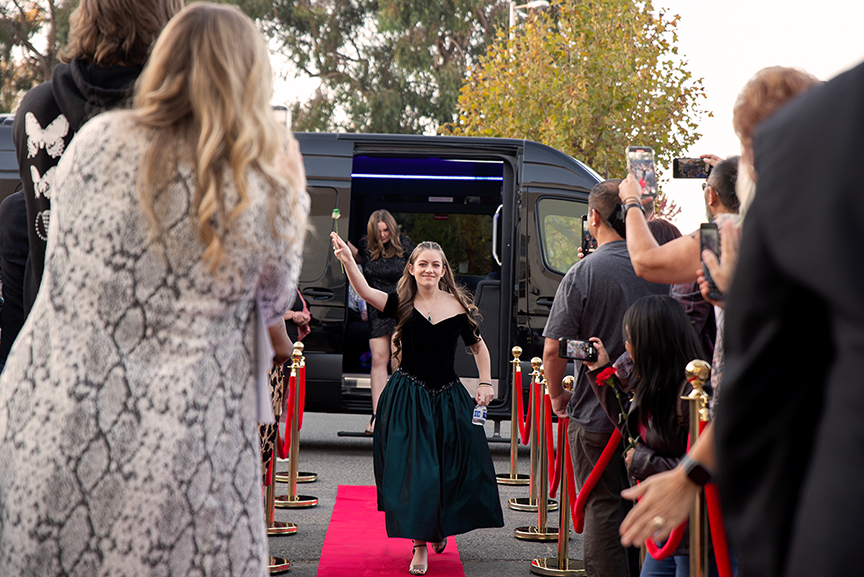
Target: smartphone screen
589, 243
640, 163
690, 168
576, 349
709, 239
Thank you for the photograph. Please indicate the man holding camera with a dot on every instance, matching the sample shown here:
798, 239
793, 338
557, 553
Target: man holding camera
590, 302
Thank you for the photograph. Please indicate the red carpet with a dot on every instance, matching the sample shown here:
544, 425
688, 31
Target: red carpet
357, 545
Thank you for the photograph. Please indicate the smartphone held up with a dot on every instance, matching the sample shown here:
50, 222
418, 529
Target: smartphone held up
589, 243
709, 239
576, 349
640, 163
690, 168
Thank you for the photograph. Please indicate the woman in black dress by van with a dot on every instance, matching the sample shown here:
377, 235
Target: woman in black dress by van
433, 469
383, 253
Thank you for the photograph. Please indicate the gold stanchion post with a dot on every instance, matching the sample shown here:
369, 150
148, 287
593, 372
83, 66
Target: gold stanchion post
292, 500
276, 565
541, 532
302, 476
514, 478
561, 566
275, 527
530, 503
698, 372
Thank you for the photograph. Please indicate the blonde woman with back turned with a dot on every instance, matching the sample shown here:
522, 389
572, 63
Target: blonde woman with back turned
128, 425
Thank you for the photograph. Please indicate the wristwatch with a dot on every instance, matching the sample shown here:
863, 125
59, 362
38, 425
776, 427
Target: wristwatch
628, 206
696, 471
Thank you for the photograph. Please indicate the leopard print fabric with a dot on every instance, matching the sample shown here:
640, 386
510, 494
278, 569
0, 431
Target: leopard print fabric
128, 430
268, 432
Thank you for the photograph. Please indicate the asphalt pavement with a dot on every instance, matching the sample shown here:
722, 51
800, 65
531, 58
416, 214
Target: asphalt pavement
348, 461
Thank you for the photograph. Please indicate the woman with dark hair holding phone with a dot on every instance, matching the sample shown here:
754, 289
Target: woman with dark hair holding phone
659, 338
383, 253
433, 469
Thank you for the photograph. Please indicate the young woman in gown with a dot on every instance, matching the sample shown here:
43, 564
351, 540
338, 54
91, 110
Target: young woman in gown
433, 468
128, 427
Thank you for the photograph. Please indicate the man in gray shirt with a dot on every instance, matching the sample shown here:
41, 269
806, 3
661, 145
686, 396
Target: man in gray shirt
591, 302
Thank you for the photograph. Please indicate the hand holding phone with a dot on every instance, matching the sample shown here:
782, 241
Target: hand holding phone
640, 163
709, 239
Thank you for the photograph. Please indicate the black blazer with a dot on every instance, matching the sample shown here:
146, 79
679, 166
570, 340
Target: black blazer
790, 427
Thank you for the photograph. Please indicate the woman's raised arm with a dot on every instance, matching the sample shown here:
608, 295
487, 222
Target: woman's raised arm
374, 297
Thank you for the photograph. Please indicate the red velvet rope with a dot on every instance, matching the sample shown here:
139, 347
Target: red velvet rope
523, 420
550, 444
571, 478
287, 414
718, 527
718, 531
660, 553
269, 480
578, 504
301, 382
555, 480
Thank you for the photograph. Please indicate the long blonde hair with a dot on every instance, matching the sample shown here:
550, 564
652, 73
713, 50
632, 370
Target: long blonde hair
407, 291
205, 98
373, 238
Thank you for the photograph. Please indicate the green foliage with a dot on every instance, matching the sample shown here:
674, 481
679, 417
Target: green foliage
587, 78
31, 35
393, 66
465, 238
561, 242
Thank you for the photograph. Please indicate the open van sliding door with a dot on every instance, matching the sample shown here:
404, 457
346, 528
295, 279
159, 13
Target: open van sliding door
459, 193
322, 281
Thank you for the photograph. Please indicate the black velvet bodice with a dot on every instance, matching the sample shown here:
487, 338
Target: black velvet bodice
429, 350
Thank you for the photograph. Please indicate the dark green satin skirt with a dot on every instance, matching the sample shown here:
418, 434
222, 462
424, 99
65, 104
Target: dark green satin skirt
433, 469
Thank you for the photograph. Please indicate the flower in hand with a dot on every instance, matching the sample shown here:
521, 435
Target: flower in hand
606, 376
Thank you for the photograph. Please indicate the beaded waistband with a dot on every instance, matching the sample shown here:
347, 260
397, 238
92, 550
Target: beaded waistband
421, 383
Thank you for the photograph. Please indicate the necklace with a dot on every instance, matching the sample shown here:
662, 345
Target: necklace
429, 309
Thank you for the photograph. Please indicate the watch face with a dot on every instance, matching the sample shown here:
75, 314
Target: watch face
697, 472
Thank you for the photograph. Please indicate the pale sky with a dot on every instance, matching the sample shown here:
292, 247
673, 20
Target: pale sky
725, 43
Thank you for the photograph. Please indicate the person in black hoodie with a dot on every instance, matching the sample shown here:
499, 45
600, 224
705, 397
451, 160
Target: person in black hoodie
13, 256
109, 41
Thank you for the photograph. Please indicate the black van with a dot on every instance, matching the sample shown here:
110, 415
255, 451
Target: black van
9, 180
506, 212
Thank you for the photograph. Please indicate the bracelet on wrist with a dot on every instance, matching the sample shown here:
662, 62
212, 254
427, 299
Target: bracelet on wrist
485, 385
633, 198
626, 207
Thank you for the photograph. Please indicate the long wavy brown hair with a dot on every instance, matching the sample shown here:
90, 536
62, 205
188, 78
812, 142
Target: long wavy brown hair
107, 32
393, 247
204, 97
407, 291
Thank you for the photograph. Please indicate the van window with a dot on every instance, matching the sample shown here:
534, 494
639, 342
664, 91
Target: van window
316, 249
560, 224
465, 238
